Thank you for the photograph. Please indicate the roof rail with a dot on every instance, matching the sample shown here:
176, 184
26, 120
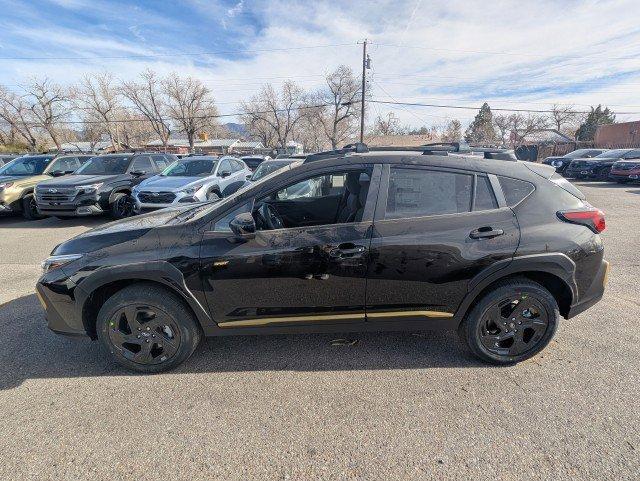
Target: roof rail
347, 149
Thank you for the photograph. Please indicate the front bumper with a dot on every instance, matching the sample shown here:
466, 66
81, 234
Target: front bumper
593, 294
180, 199
81, 205
57, 297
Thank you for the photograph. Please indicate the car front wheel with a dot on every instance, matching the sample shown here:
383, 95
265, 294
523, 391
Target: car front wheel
147, 328
511, 323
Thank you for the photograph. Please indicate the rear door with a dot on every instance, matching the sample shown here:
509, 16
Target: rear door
435, 229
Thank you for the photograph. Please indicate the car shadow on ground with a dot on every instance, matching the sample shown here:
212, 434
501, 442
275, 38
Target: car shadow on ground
17, 222
28, 350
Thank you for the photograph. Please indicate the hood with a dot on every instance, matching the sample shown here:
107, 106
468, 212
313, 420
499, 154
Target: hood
29, 181
75, 180
9, 178
158, 183
118, 232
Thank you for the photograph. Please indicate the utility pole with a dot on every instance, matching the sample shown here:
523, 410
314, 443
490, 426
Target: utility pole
366, 64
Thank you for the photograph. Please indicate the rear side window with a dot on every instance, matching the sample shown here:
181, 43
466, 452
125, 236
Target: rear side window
419, 192
485, 200
161, 162
142, 163
515, 190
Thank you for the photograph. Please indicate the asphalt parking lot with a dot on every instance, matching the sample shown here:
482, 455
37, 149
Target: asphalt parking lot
390, 406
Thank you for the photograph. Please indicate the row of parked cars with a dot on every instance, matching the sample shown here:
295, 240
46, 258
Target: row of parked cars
121, 185
619, 165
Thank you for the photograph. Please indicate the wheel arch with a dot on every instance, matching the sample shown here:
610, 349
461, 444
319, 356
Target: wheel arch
119, 190
96, 289
554, 272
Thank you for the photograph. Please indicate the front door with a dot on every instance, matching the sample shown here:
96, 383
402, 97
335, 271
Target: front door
434, 231
308, 269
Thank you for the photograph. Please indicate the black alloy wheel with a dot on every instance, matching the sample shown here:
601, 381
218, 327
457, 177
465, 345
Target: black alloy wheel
512, 322
513, 325
147, 328
144, 334
123, 206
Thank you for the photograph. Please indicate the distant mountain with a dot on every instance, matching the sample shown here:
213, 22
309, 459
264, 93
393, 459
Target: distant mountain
236, 129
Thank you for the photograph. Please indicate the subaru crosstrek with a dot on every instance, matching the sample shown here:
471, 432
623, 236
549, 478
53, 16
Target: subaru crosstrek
189, 180
390, 240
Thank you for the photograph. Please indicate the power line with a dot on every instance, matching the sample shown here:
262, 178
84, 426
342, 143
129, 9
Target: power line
416, 104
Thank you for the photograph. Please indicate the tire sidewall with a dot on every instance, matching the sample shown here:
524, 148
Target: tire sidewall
115, 212
472, 324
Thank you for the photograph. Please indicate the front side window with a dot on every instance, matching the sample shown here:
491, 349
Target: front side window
64, 164
161, 161
420, 192
26, 166
225, 166
142, 164
105, 165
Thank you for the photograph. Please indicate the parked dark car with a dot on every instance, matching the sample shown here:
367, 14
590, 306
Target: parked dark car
598, 167
627, 170
563, 161
253, 161
102, 185
390, 241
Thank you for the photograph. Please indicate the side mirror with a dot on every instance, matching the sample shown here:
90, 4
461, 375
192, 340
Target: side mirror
225, 173
58, 173
138, 173
243, 226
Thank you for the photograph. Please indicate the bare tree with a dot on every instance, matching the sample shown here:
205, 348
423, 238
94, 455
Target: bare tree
190, 104
522, 125
149, 98
563, 117
276, 113
389, 125
338, 118
503, 126
50, 105
452, 132
16, 113
97, 97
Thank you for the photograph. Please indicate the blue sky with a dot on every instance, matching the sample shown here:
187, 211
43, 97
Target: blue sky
511, 53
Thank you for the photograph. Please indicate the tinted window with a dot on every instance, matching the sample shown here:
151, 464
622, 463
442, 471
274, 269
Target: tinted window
634, 154
612, 154
223, 223
23, 166
143, 163
253, 162
225, 166
161, 161
267, 168
515, 190
485, 200
191, 168
417, 192
65, 164
105, 165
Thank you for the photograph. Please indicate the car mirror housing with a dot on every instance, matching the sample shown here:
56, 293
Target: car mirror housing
225, 173
138, 173
243, 226
58, 173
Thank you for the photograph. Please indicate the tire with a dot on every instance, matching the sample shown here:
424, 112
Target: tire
497, 339
214, 195
30, 208
168, 330
122, 206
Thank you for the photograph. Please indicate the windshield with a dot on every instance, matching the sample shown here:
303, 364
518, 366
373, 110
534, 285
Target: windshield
577, 153
105, 165
612, 154
191, 168
267, 168
26, 166
63, 164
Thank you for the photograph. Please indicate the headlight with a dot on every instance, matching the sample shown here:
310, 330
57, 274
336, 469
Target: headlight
557, 163
55, 262
192, 190
88, 189
5, 185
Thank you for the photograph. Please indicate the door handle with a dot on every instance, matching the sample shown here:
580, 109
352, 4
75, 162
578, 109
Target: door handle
347, 250
485, 233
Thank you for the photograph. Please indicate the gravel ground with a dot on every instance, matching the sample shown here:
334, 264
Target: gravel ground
391, 406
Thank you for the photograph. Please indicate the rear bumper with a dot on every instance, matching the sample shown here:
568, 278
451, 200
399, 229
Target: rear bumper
595, 292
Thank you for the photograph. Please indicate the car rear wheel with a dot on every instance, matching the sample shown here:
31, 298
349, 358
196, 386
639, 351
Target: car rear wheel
147, 328
30, 208
511, 323
122, 206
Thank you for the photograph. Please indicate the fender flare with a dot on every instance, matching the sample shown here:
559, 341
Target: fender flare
556, 264
122, 190
156, 271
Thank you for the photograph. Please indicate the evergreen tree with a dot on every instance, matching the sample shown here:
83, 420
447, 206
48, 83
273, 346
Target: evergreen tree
481, 129
452, 132
597, 116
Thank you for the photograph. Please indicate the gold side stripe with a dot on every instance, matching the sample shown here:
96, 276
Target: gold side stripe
410, 314
279, 320
330, 317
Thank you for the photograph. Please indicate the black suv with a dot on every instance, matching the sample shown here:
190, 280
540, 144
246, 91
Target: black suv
562, 162
598, 167
353, 240
101, 185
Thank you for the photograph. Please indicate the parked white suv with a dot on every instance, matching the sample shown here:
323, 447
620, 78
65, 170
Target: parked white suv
191, 179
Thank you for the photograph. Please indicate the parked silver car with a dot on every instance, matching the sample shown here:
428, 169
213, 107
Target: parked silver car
191, 179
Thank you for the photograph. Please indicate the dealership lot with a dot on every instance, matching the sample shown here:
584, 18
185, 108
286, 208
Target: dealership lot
391, 405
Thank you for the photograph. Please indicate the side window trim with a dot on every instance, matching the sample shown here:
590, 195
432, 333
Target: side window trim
497, 190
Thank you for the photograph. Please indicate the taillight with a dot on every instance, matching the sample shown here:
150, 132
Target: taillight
592, 218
